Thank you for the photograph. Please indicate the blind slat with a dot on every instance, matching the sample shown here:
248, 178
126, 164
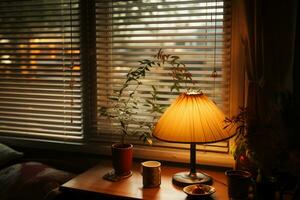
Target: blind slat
157, 28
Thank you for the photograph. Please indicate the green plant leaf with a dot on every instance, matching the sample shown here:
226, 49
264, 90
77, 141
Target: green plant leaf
125, 106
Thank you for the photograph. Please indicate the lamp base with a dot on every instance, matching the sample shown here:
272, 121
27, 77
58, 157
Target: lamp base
187, 178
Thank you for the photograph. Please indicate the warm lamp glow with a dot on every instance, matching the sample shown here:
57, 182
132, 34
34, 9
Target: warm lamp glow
192, 118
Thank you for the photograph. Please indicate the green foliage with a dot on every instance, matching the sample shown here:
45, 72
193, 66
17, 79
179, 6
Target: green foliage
125, 104
264, 142
179, 72
240, 121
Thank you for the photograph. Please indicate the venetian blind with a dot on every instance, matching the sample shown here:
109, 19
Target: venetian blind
40, 78
199, 32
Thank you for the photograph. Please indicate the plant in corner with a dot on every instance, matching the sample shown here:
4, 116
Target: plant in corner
240, 148
261, 147
250, 149
126, 103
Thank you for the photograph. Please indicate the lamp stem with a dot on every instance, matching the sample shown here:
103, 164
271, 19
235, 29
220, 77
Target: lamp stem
192, 177
192, 159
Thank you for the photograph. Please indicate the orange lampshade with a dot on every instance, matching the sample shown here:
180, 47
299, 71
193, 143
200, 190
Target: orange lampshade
192, 118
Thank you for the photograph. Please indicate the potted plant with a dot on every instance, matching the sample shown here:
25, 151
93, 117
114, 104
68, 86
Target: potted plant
261, 147
261, 141
125, 104
239, 149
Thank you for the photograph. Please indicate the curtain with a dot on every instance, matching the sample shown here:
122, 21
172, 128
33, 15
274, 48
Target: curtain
266, 36
268, 40
266, 49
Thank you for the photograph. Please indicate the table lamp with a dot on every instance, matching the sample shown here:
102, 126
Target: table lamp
194, 119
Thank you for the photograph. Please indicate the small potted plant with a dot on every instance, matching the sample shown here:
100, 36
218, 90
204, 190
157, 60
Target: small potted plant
261, 141
261, 144
125, 104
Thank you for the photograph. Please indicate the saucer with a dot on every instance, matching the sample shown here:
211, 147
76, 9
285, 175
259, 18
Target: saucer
199, 190
111, 176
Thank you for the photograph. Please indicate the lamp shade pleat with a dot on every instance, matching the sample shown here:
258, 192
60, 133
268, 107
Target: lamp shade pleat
192, 118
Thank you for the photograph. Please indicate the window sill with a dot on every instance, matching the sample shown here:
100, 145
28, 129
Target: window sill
140, 152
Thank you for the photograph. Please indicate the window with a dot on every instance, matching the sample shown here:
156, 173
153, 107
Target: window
128, 31
40, 76
48, 49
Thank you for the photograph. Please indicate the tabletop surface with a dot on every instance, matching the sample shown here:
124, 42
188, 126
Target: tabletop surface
132, 187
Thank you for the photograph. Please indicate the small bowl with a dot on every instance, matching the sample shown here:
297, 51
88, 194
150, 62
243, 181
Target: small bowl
199, 190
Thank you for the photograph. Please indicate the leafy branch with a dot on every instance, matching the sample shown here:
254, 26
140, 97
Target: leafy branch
240, 122
179, 71
124, 104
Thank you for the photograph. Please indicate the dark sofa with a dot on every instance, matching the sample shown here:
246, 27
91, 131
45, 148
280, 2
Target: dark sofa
36, 174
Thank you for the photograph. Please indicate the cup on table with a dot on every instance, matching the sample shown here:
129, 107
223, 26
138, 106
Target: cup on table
151, 172
240, 184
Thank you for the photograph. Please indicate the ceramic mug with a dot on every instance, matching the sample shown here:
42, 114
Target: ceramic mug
151, 172
240, 184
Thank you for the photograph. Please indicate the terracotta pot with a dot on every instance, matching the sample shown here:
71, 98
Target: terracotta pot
122, 158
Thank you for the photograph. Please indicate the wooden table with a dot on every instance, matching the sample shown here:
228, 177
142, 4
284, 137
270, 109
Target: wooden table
91, 181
